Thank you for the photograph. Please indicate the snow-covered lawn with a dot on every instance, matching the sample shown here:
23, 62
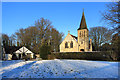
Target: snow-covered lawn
59, 69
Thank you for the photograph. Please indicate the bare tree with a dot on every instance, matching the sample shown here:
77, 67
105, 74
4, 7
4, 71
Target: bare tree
5, 39
20, 36
42, 33
56, 38
13, 40
112, 15
100, 35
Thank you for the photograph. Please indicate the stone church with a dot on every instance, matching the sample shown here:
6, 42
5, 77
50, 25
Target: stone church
80, 43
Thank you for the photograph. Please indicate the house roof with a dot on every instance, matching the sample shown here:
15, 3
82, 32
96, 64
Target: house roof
83, 24
11, 49
23, 50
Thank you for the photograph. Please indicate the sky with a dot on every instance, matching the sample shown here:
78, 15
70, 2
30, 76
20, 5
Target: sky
65, 16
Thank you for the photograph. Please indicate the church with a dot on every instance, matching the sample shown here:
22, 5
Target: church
80, 43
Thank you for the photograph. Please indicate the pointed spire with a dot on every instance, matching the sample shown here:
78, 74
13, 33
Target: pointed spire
83, 11
83, 24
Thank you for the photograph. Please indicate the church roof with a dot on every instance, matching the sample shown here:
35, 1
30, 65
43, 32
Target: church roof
73, 36
83, 24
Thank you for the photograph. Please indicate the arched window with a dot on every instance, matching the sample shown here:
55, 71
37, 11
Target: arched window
80, 34
66, 45
87, 34
71, 44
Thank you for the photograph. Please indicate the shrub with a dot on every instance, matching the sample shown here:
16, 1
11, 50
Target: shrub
44, 51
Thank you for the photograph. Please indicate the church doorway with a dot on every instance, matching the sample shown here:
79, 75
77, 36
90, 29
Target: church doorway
81, 49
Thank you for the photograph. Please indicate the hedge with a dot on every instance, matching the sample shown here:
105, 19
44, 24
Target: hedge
104, 56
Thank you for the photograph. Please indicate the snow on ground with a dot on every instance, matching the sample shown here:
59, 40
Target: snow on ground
59, 69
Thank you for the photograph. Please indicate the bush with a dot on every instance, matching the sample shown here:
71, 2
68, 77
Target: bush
44, 51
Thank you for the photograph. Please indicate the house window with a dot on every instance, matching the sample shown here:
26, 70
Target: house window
66, 45
71, 44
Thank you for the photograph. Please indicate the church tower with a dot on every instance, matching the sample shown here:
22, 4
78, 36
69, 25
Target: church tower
83, 33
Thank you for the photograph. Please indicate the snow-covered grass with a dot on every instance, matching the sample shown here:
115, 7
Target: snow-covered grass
59, 69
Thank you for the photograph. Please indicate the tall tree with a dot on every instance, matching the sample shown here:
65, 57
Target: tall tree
13, 40
5, 39
115, 42
100, 35
20, 36
31, 38
42, 33
56, 38
44, 26
112, 17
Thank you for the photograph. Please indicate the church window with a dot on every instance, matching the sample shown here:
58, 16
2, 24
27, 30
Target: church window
87, 34
66, 45
80, 34
81, 42
84, 33
71, 44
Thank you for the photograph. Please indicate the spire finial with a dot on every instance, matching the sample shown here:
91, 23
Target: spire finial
83, 10
68, 31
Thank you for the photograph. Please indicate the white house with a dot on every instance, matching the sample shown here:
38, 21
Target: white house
23, 51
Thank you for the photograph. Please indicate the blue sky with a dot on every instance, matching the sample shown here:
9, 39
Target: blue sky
63, 15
